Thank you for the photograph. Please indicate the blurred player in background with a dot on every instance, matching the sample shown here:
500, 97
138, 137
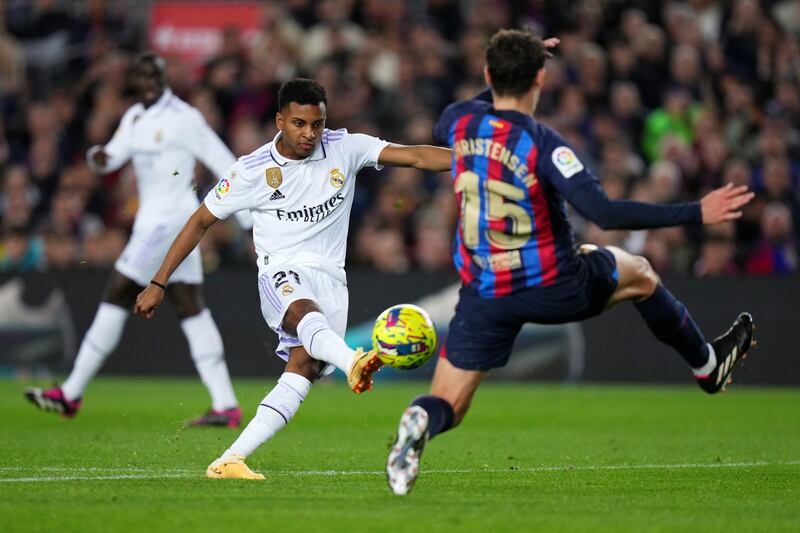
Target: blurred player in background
164, 137
514, 248
299, 188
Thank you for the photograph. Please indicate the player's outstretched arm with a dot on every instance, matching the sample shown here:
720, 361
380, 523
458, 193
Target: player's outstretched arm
423, 157
591, 201
724, 203
151, 297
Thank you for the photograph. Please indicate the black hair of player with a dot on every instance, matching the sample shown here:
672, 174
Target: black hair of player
303, 91
153, 59
514, 57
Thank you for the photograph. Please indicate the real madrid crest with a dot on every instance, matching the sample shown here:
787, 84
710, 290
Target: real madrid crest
337, 178
274, 177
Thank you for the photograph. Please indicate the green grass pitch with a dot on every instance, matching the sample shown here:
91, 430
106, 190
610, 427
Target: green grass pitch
528, 458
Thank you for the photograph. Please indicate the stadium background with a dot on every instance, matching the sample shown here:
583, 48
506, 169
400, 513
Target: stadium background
663, 100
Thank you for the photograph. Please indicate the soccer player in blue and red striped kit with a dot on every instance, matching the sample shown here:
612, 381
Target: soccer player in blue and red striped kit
515, 251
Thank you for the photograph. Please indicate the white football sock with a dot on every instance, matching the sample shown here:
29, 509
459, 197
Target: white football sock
706, 369
100, 340
274, 412
208, 354
322, 343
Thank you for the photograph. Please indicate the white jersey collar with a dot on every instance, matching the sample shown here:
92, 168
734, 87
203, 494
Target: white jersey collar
318, 154
161, 103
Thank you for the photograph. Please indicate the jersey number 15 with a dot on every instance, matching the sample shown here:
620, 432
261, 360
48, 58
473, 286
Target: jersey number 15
500, 198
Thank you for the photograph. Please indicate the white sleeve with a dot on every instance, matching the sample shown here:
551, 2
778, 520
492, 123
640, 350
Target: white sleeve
362, 150
205, 145
118, 148
233, 192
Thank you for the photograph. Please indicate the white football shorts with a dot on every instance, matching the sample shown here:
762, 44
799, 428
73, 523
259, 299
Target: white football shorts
146, 249
282, 284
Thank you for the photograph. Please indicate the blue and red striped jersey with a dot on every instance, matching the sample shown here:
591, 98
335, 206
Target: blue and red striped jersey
511, 176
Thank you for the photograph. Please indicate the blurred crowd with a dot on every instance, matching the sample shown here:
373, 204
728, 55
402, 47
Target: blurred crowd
662, 100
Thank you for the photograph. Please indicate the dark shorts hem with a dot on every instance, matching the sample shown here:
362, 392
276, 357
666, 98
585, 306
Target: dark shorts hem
483, 330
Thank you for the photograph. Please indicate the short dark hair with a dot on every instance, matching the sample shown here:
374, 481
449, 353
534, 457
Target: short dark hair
151, 58
302, 91
514, 57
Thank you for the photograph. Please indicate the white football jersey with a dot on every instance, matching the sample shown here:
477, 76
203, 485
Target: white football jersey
301, 208
164, 141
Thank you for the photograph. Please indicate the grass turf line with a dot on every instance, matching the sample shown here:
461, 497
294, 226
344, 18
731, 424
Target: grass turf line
528, 457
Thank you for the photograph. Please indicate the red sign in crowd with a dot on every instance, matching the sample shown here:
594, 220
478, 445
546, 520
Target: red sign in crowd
194, 31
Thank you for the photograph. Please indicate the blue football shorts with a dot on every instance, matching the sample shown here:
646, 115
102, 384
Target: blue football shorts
482, 332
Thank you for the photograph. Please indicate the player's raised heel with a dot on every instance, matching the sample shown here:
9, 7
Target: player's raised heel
54, 401
231, 467
364, 365
731, 348
402, 465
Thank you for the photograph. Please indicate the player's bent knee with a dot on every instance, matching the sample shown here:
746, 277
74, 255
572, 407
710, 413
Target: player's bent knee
295, 313
647, 280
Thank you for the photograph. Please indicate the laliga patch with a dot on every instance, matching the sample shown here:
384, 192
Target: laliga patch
566, 161
222, 188
337, 178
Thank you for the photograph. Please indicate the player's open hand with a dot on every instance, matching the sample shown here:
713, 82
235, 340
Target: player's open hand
724, 203
148, 301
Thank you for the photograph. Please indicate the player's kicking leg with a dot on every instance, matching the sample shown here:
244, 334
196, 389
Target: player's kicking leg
309, 308
303, 323
712, 363
305, 319
427, 416
208, 354
275, 411
100, 340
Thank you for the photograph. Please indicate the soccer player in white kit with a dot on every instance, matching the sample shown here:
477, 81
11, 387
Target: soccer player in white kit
163, 136
299, 189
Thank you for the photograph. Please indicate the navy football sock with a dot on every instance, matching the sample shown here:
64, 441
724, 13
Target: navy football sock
672, 324
440, 413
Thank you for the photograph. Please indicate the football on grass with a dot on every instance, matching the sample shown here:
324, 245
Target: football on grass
404, 336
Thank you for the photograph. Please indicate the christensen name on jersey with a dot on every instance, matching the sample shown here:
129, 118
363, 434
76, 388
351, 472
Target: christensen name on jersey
315, 213
511, 176
496, 152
